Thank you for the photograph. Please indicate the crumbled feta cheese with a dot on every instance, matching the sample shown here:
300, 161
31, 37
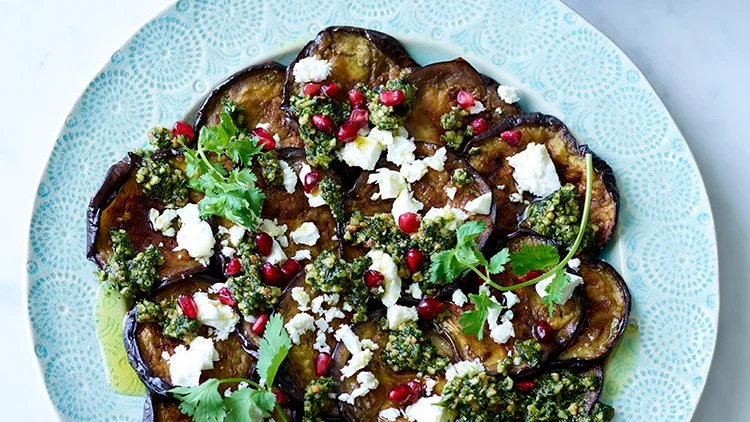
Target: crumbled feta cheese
227, 251
502, 332
404, 203
390, 183
360, 356
363, 152
306, 234
508, 93
277, 254
459, 298
534, 171
437, 160
478, 107
163, 222
302, 254
451, 192
414, 170
271, 227
401, 150
301, 297
299, 325
429, 385
511, 299
311, 69
480, 205
398, 315
574, 281
215, 314
415, 291
315, 199
195, 235
574, 264
186, 364
383, 137
216, 287
501, 187
283, 241
515, 197
367, 382
383, 263
464, 367
236, 233
453, 217
290, 179
390, 414
428, 409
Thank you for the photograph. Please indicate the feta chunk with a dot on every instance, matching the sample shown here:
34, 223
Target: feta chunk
367, 382
361, 352
271, 227
195, 235
306, 234
363, 152
162, 222
290, 179
478, 107
464, 367
459, 298
480, 205
508, 93
534, 171
401, 150
236, 233
414, 170
415, 291
311, 69
451, 192
315, 199
383, 263
301, 297
574, 264
390, 414
299, 325
277, 254
437, 160
398, 315
390, 183
302, 254
186, 364
216, 315
404, 203
428, 409
573, 282
453, 217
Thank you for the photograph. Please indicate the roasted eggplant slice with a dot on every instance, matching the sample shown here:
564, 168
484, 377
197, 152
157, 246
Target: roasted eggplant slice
258, 91
121, 203
161, 409
357, 55
607, 309
438, 85
146, 344
488, 154
366, 408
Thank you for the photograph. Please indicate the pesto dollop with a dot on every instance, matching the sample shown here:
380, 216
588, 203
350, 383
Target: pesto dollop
162, 138
252, 295
333, 194
462, 177
320, 147
558, 217
129, 272
409, 349
317, 398
453, 123
160, 179
389, 117
270, 168
331, 274
170, 317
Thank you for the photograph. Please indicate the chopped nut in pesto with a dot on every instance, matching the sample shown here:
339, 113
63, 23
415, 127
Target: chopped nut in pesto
160, 179
317, 399
409, 349
333, 194
128, 272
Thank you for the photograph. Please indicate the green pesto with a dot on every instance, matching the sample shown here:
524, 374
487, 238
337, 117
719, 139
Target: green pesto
270, 168
481, 398
333, 194
317, 399
320, 147
558, 217
129, 272
390, 117
474, 150
454, 119
409, 349
161, 180
559, 396
170, 317
528, 352
331, 274
161, 138
462, 177
252, 295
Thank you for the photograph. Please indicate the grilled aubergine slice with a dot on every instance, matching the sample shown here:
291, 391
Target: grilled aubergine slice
121, 203
357, 55
438, 85
565, 322
161, 409
607, 310
145, 343
488, 154
258, 90
366, 408
430, 189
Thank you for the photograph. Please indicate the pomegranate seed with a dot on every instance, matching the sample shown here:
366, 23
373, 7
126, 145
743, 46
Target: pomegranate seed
184, 129
259, 326
512, 137
272, 274
347, 132
234, 266
465, 99
373, 278
542, 332
415, 387
188, 306
428, 308
290, 268
225, 297
391, 97
357, 98
322, 364
479, 125
265, 139
311, 181
414, 259
529, 275
323, 123
280, 397
524, 386
400, 394
311, 89
360, 117
331, 90
408, 222
264, 243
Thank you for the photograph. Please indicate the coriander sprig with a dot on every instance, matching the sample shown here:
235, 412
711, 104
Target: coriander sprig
256, 402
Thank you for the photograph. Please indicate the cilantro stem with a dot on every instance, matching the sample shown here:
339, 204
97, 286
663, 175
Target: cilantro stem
486, 278
579, 238
281, 412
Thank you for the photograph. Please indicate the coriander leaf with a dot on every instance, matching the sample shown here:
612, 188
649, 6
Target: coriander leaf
249, 404
498, 261
444, 266
555, 290
533, 257
468, 232
242, 149
203, 403
274, 347
468, 256
472, 322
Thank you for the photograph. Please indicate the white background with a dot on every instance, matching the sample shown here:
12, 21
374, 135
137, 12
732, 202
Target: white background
696, 53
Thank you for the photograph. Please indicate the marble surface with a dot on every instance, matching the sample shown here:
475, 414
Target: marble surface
695, 53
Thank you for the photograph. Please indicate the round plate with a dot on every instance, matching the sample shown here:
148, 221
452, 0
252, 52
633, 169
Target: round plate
665, 246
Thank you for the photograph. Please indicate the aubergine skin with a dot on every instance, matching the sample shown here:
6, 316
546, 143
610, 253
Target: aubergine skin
120, 203
357, 56
259, 90
490, 160
608, 309
145, 344
161, 409
437, 86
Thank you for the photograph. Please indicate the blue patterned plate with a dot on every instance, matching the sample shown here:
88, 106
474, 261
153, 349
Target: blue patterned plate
665, 246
